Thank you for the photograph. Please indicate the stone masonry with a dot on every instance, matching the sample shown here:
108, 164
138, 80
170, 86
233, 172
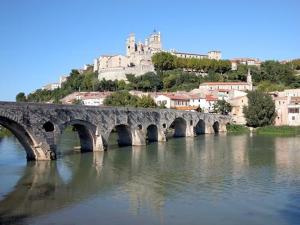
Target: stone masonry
38, 127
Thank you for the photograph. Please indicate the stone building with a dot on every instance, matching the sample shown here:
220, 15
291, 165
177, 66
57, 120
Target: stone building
228, 86
210, 55
136, 61
287, 105
244, 61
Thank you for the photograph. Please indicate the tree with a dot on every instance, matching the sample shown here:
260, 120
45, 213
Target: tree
146, 102
260, 110
163, 61
268, 86
21, 97
121, 98
222, 107
275, 72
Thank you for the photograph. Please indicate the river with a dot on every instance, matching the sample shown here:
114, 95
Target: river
211, 179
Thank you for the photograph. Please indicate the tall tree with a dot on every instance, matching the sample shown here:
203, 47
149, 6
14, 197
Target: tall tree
260, 110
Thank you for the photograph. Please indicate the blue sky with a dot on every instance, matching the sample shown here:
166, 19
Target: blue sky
43, 39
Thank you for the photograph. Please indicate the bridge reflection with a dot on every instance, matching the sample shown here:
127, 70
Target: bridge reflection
146, 175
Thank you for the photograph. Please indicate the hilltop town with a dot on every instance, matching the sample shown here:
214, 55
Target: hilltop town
150, 76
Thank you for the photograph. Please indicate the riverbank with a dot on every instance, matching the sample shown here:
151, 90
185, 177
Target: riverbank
279, 130
237, 129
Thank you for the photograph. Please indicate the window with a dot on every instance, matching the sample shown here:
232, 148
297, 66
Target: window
293, 118
293, 110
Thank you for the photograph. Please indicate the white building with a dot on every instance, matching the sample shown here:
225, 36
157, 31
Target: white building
186, 101
228, 86
173, 101
210, 55
86, 98
51, 87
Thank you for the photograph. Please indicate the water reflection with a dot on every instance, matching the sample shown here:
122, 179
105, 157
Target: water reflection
163, 182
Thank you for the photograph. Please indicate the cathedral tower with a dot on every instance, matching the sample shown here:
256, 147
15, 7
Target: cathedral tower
155, 42
130, 44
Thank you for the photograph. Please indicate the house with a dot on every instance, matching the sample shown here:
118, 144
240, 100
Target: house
174, 101
86, 98
227, 86
287, 106
244, 61
237, 104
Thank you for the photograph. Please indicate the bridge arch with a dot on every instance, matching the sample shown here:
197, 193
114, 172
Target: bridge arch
216, 127
179, 125
86, 133
22, 134
124, 135
152, 133
200, 127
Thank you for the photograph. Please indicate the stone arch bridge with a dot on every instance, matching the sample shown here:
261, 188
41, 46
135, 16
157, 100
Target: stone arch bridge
38, 127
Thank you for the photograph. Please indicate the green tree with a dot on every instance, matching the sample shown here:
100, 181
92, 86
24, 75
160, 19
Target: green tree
121, 98
222, 107
268, 86
260, 110
21, 97
275, 72
164, 61
146, 102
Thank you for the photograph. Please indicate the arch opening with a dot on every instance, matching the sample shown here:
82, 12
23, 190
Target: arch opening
120, 136
200, 128
21, 135
48, 126
76, 136
177, 128
152, 133
216, 127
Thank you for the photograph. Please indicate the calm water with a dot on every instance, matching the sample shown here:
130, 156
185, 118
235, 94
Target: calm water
207, 180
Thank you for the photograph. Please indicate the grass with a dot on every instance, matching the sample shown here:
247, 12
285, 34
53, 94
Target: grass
279, 130
237, 129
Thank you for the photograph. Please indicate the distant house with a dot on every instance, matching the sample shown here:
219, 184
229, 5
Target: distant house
227, 86
86, 98
174, 101
51, 87
216, 55
237, 104
244, 61
287, 106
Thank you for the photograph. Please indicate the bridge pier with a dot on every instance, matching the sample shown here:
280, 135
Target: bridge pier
138, 137
161, 135
99, 144
190, 131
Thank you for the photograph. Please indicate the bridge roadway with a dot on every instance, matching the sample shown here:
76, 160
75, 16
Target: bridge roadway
38, 127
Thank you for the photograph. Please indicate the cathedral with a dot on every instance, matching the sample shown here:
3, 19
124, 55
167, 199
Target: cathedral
136, 61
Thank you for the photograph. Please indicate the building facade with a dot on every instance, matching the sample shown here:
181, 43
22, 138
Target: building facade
287, 105
216, 55
244, 61
228, 86
137, 60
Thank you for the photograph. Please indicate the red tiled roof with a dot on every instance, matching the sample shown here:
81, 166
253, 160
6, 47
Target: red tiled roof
211, 98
